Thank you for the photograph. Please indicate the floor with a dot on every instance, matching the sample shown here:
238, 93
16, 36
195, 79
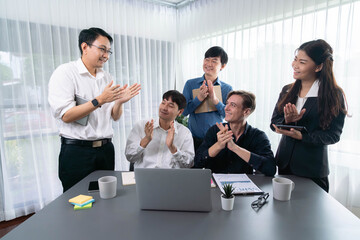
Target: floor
7, 226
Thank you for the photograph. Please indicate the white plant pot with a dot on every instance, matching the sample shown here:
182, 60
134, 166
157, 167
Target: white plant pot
227, 203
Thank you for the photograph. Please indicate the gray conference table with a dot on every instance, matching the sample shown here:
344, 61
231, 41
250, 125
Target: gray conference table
310, 214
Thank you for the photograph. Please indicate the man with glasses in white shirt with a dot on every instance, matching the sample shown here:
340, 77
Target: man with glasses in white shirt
163, 143
84, 100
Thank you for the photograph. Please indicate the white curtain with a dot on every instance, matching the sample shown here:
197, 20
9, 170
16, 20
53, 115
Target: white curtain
260, 37
39, 35
161, 47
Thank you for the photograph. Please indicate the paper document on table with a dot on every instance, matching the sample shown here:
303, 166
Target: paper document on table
128, 178
241, 182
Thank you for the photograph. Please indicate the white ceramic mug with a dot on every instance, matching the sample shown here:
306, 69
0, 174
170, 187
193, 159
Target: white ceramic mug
107, 187
282, 188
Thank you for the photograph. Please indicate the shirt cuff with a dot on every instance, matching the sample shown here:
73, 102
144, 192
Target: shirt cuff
196, 101
66, 109
254, 161
220, 106
305, 137
175, 155
140, 148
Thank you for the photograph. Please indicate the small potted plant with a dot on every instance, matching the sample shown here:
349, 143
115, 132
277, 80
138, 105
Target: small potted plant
228, 198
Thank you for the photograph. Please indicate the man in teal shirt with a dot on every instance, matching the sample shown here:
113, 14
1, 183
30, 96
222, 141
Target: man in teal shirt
214, 61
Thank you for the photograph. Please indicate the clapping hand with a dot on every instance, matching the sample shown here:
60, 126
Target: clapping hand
224, 136
204, 91
291, 114
110, 93
120, 94
149, 129
126, 93
212, 94
170, 138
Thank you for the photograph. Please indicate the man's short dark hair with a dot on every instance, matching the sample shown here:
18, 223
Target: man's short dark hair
176, 97
248, 99
217, 52
90, 35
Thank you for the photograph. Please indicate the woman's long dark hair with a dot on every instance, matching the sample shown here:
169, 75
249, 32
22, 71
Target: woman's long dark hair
330, 95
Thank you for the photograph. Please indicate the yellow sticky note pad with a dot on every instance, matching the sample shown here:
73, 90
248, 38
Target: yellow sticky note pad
80, 199
89, 205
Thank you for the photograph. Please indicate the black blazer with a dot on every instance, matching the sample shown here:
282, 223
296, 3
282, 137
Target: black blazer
307, 157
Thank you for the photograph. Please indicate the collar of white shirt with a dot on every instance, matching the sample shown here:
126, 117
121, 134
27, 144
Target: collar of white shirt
313, 92
83, 70
157, 125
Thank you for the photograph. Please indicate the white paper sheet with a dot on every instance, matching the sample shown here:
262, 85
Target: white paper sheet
241, 182
128, 178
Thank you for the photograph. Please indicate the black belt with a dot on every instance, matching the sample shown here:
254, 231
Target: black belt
96, 143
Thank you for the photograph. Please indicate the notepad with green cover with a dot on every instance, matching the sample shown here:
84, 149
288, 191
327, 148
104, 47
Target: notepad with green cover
87, 206
80, 199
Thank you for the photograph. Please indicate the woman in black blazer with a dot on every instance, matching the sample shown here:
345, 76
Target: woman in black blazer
316, 102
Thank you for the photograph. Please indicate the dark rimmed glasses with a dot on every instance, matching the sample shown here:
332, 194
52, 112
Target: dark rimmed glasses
102, 49
257, 204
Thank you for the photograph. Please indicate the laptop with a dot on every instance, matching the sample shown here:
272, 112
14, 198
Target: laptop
173, 189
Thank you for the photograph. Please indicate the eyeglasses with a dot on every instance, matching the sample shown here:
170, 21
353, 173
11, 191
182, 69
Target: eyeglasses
103, 50
257, 204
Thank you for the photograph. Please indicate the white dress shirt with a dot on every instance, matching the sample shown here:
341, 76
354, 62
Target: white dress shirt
72, 79
313, 92
157, 154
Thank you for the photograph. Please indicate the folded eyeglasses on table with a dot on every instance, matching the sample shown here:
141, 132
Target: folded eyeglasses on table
257, 204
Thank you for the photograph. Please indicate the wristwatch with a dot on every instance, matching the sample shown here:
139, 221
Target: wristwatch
95, 103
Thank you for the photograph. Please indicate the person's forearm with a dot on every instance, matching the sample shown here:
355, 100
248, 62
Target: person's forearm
214, 150
221, 109
215, 100
144, 142
172, 149
78, 112
264, 163
242, 153
116, 111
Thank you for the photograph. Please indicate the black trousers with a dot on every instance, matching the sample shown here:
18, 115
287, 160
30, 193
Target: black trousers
76, 162
321, 182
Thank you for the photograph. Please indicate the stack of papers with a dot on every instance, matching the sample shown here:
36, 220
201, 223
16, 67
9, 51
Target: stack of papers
82, 202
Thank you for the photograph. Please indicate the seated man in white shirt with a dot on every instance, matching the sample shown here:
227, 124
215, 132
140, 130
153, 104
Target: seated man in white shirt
163, 143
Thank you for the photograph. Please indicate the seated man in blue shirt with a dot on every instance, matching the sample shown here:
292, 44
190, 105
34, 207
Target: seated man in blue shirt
215, 60
235, 146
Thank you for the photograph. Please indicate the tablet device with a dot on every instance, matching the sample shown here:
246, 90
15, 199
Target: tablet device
79, 100
288, 127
